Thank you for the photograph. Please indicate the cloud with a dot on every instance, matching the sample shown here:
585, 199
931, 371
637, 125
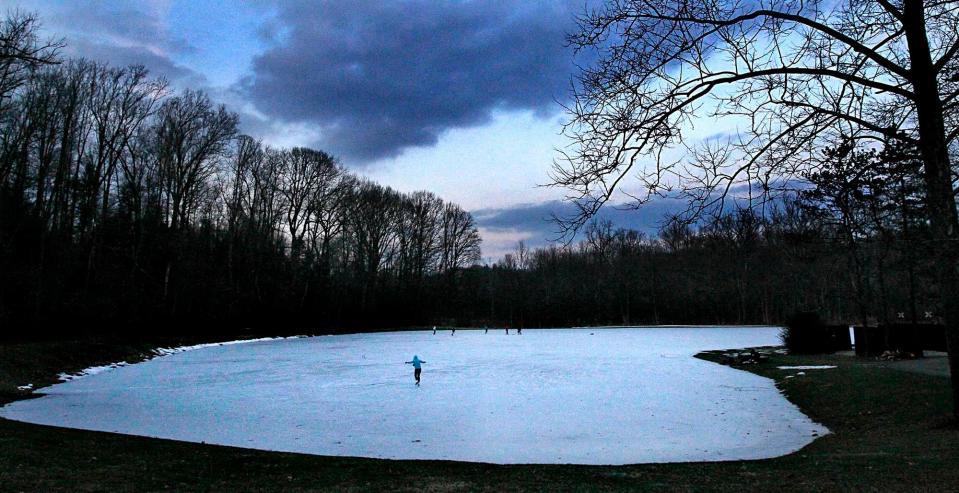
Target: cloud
120, 34
497, 242
502, 228
158, 65
378, 77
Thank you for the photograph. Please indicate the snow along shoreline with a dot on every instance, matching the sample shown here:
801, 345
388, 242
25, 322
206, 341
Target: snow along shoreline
158, 353
166, 351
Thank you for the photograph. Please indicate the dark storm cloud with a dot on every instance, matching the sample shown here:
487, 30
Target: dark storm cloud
535, 219
533, 222
378, 77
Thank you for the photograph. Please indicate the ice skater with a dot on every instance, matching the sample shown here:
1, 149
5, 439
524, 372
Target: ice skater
453, 332
519, 331
434, 330
417, 368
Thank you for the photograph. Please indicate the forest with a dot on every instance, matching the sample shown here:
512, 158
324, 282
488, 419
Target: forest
128, 207
854, 252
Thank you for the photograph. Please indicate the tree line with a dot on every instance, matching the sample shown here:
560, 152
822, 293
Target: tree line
853, 247
127, 206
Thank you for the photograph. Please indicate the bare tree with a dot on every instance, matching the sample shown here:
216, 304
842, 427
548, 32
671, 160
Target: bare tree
797, 77
191, 134
22, 52
246, 153
73, 93
137, 175
600, 239
264, 203
328, 207
459, 239
373, 220
421, 226
303, 172
121, 100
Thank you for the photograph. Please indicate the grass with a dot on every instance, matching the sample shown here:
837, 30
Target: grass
890, 432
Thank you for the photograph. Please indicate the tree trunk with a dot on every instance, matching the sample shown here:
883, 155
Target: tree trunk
940, 200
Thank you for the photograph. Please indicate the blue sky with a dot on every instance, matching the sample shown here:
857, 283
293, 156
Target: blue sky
457, 97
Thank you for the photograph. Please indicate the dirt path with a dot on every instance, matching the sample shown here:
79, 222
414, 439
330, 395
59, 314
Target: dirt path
933, 363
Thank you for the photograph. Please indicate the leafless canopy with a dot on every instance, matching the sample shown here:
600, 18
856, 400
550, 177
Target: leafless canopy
785, 77
22, 51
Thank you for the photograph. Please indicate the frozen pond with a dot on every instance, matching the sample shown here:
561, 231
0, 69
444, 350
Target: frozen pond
585, 396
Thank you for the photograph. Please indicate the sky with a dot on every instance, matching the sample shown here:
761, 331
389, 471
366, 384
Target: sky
461, 98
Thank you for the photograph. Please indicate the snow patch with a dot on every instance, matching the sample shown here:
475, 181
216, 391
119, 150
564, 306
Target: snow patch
28, 386
163, 351
93, 370
807, 367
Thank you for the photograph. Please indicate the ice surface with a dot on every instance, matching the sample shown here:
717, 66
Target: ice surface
547, 396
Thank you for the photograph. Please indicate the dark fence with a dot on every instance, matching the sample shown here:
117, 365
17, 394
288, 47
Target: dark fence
906, 338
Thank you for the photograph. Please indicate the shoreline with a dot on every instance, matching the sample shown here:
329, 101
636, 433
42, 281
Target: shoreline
26, 368
738, 443
32, 389
160, 352
891, 430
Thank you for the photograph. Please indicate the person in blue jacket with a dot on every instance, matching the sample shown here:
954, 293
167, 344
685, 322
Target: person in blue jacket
417, 367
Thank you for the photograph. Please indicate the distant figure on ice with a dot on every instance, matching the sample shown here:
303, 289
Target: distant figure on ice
417, 368
519, 331
434, 330
507, 330
486, 330
453, 331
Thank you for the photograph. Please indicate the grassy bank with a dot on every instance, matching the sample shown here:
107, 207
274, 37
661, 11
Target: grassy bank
891, 432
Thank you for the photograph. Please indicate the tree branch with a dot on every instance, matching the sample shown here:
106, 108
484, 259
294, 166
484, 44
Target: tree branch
818, 26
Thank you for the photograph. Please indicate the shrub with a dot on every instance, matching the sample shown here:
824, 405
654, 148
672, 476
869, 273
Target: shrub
805, 333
